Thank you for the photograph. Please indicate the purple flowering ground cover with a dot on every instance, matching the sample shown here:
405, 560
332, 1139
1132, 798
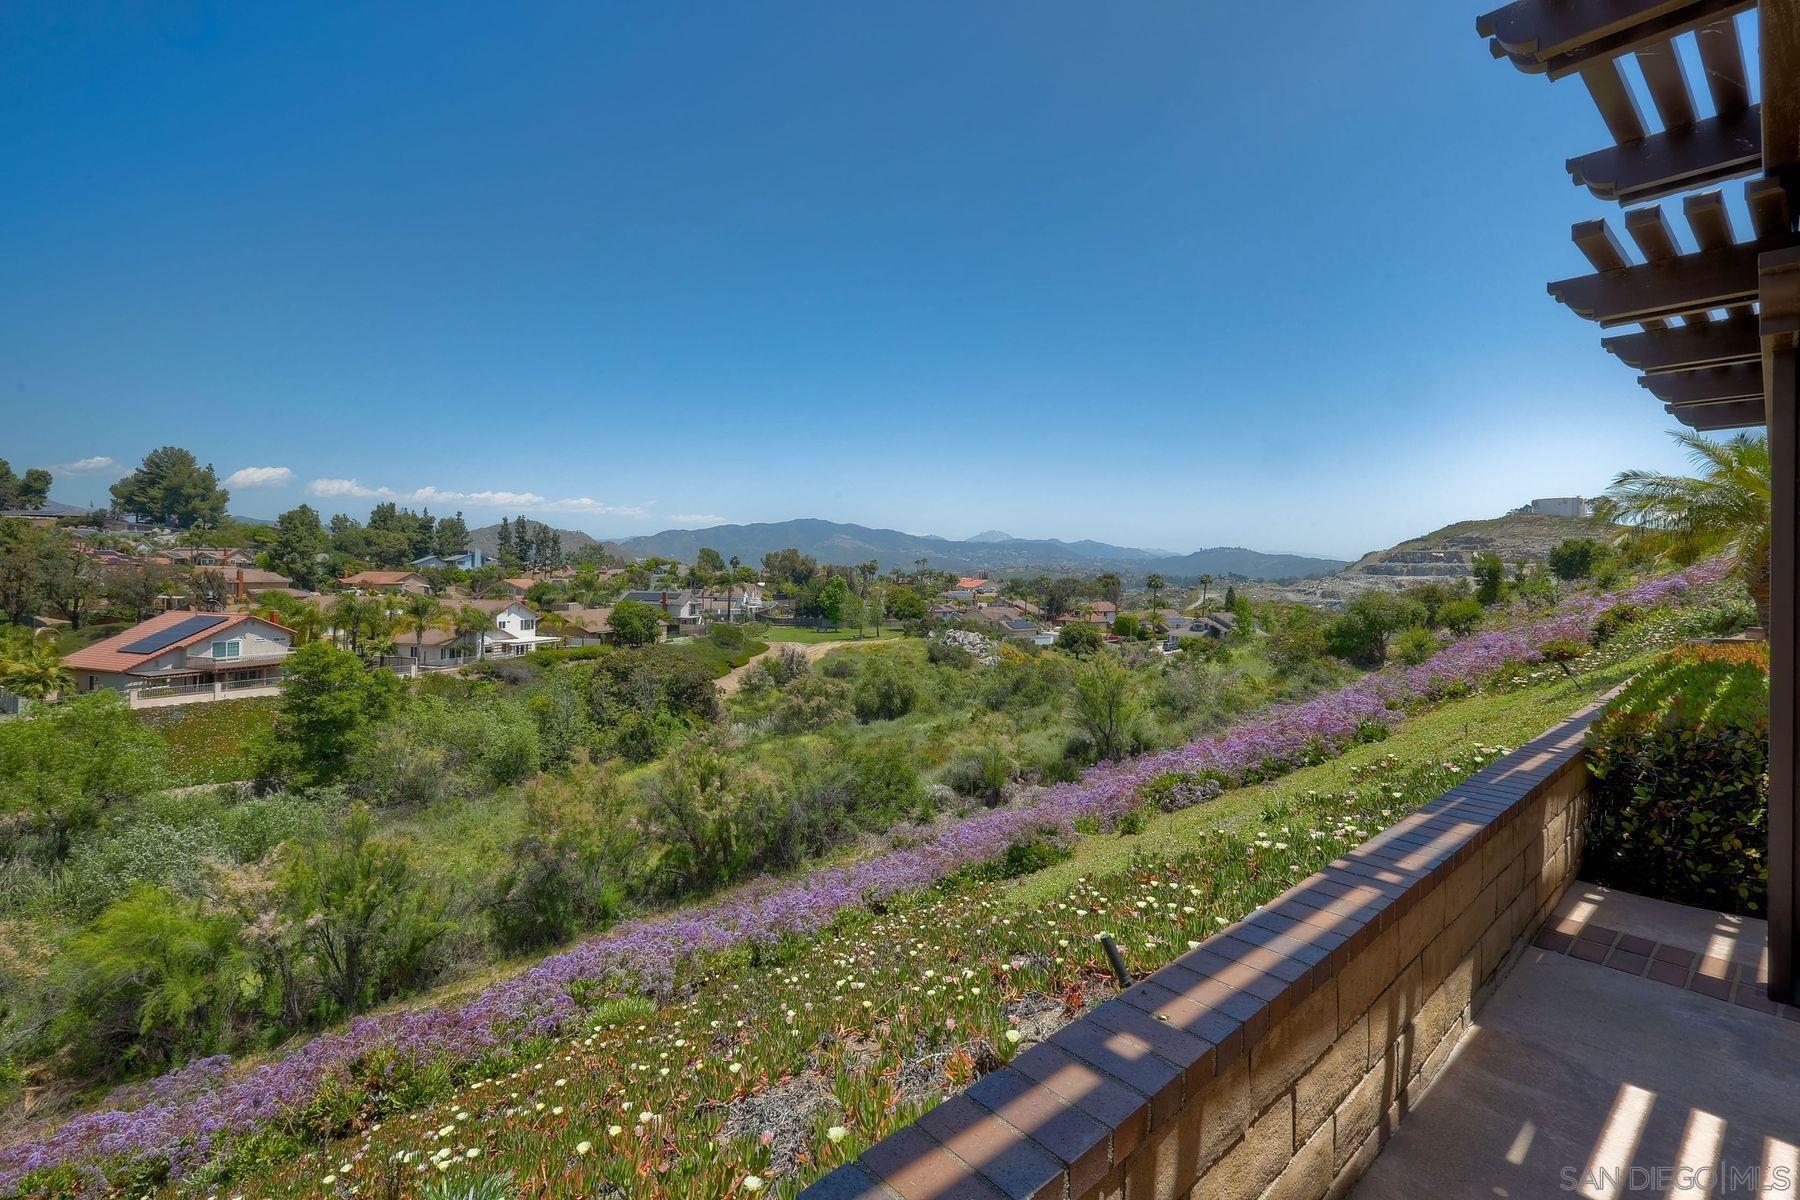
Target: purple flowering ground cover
188, 1117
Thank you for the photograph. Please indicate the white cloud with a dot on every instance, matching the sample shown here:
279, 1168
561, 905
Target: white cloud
699, 519
250, 477
446, 498
88, 466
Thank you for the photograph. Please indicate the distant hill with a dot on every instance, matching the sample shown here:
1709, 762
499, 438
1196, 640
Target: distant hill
993, 551
1445, 554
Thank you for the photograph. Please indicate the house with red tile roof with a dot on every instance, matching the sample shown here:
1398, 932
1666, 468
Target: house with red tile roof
182, 656
410, 582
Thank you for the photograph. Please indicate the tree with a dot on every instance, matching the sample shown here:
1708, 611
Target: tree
27, 491
363, 911
327, 711
1723, 508
68, 767
1363, 632
71, 583
300, 539
1079, 638
1106, 708
1155, 584
634, 623
346, 616
1206, 582
474, 623
833, 600
171, 486
134, 588
1110, 587
452, 537
149, 983
905, 604
419, 613
30, 666
709, 562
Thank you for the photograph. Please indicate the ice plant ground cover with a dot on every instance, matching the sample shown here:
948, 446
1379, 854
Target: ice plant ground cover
211, 1127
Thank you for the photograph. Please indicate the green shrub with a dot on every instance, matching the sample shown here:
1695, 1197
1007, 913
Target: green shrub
1080, 638
149, 982
1680, 767
984, 771
1608, 625
884, 691
1413, 646
1461, 616
812, 702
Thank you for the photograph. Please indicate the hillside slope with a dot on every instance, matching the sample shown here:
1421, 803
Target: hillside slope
1445, 554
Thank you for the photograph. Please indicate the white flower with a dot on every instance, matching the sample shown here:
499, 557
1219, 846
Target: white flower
837, 1133
329, 1180
583, 1147
753, 1183
614, 1130
1014, 1036
734, 1068
472, 1152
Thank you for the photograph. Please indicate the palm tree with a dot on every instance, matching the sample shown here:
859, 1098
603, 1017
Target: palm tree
419, 613
474, 622
1155, 584
31, 668
1724, 507
1206, 582
347, 618
307, 621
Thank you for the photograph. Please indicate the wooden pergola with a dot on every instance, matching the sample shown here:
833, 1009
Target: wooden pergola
1717, 325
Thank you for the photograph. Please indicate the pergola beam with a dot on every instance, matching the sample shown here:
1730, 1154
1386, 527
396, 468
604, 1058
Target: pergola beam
1707, 385
1662, 164
1711, 418
1560, 37
1687, 347
1681, 286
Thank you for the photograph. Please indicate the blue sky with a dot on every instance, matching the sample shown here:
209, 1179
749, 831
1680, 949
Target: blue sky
1168, 274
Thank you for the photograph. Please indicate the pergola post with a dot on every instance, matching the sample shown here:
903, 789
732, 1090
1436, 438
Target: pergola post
1784, 672
1779, 320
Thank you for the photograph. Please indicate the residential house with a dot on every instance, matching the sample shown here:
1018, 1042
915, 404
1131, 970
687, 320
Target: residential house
739, 602
208, 556
971, 588
1093, 612
182, 656
580, 625
410, 582
514, 587
468, 560
682, 611
515, 632
1213, 626
244, 582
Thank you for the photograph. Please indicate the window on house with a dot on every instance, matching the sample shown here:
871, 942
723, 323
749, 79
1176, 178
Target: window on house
233, 648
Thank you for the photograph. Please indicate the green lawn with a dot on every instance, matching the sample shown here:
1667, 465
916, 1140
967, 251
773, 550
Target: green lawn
716, 658
208, 741
794, 633
1506, 718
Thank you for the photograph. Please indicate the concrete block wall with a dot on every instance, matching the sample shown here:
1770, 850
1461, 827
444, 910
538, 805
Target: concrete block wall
1272, 1062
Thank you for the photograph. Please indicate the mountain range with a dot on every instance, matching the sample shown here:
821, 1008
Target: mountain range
992, 551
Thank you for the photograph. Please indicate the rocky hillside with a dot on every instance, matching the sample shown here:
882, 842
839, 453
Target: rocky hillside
1444, 554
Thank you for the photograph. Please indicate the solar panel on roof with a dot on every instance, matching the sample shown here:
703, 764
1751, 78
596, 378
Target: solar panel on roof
164, 638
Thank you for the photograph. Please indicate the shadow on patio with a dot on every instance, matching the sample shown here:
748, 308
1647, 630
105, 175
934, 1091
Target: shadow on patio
1631, 1051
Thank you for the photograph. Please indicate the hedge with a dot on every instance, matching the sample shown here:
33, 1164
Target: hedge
1680, 763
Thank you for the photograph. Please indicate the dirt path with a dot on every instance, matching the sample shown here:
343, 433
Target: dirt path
733, 679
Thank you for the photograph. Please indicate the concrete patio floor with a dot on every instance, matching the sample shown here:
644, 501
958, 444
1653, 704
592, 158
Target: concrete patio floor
1630, 1052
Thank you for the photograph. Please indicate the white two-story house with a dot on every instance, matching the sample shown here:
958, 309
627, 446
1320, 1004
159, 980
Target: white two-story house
515, 631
